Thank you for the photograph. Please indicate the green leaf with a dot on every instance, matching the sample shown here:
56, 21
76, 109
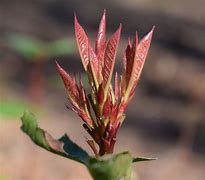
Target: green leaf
11, 109
63, 147
109, 167
138, 159
60, 47
26, 46
3, 177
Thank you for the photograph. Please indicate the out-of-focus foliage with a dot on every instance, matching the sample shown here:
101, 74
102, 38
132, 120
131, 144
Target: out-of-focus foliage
3, 178
34, 49
12, 109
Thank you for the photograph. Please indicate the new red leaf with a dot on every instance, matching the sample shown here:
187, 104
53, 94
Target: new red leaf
130, 56
100, 41
70, 85
82, 42
109, 59
94, 63
138, 63
116, 88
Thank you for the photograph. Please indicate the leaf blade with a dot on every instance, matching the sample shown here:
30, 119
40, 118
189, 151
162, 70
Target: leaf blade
70, 85
101, 34
109, 60
63, 147
138, 62
82, 43
113, 167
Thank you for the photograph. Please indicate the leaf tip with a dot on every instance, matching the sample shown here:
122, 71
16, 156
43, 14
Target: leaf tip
75, 17
120, 27
59, 68
26, 115
149, 35
104, 12
139, 159
76, 22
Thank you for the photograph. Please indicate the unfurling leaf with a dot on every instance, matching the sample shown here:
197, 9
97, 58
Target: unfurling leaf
96, 72
129, 59
136, 57
109, 60
100, 41
82, 42
70, 85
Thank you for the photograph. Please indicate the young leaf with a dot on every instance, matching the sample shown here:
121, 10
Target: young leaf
138, 62
95, 67
100, 41
114, 167
116, 87
109, 59
129, 59
82, 42
70, 85
63, 147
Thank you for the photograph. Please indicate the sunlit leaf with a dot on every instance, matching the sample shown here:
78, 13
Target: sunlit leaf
63, 147
114, 167
109, 61
140, 55
70, 85
82, 42
101, 33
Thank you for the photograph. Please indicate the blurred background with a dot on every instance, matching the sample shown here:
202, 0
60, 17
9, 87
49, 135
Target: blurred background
166, 119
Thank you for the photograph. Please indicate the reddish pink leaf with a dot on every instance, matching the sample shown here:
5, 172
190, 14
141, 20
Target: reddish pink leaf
94, 66
100, 96
114, 114
116, 87
139, 60
130, 56
85, 117
109, 60
70, 85
125, 54
100, 41
82, 42
122, 86
82, 96
107, 108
